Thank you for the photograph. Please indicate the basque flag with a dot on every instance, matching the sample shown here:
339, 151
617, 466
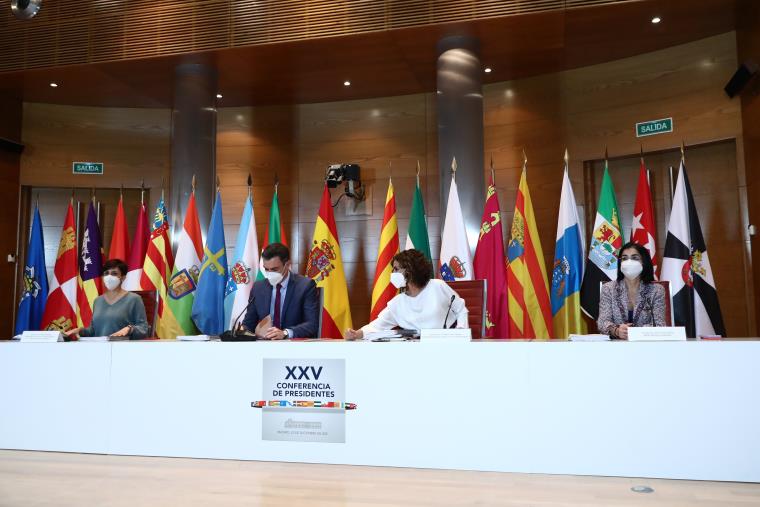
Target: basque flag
687, 267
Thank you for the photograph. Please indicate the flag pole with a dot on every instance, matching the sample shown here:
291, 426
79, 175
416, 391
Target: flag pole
142, 192
250, 181
493, 174
192, 185
418, 172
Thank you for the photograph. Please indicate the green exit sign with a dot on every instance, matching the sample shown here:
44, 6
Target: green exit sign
88, 167
650, 128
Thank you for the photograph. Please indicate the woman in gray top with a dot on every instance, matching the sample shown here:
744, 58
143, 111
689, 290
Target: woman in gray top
117, 312
633, 299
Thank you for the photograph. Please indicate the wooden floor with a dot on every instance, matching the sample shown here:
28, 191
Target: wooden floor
60, 480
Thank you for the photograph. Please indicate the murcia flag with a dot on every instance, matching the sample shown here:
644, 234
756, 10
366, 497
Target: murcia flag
606, 240
643, 229
382, 289
60, 309
325, 267
456, 259
687, 267
567, 271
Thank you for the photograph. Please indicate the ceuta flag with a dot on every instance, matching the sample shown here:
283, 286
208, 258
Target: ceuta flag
530, 312
456, 258
643, 229
382, 289
687, 267
157, 269
138, 251
325, 267
60, 309
90, 269
119, 248
491, 264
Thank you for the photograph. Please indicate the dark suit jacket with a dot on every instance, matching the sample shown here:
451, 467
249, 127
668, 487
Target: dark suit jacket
300, 310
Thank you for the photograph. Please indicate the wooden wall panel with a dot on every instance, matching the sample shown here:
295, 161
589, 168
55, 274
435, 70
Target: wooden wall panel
10, 128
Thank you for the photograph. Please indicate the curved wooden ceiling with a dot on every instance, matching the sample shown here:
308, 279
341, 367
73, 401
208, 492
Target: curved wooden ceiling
389, 62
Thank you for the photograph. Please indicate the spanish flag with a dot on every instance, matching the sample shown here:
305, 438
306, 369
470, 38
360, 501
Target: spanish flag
157, 269
382, 289
530, 312
325, 267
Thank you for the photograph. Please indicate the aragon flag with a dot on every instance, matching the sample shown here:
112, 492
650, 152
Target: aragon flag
490, 264
382, 289
417, 238
90, 268
157, 269
606, 240
187, 267
687, 267
325, 267
60, 309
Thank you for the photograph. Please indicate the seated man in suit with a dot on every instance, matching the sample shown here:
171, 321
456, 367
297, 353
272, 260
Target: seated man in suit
289, 298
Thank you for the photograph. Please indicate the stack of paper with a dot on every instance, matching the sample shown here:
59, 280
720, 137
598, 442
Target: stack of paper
194, 338
589, 338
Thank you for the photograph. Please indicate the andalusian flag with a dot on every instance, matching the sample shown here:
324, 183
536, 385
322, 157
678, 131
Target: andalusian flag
530, 314
606, 240
244, 265
276, 231
325, 267
187, 267
208, 307
157, 269
61, 308
417, 237
90, 268
491, 265
119, 248
382, 289
567, 272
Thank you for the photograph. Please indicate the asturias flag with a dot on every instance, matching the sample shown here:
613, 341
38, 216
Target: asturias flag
325, 267
138, 251
244, 266
606, 240
643, 229
33, 299
382, 289
208, 307
90, 268
687, 267
530, 314
456, 258
157, 269
61, 308
567, 272
187, 267
491, 265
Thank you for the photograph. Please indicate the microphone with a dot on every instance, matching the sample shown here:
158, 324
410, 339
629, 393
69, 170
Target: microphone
235, 333
453, 297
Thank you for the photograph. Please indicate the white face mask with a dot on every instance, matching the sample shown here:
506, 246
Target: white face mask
398, 280
631, 269
111, 282
274, 277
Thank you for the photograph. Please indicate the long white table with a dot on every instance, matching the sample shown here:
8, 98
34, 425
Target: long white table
681, 410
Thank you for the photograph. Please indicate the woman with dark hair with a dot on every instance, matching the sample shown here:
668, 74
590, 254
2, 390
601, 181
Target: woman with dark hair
423, 302
116, 312
633, 299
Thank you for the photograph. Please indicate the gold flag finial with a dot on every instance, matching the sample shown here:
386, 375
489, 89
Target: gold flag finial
218, 185
250, 183
454, 165
606, 155
525, 160
566, 158
192, 184
418, 172
683, 151
641, 150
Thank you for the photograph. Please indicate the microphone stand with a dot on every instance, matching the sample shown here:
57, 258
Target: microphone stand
453, 297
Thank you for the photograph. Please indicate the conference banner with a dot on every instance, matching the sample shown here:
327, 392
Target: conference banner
303, 400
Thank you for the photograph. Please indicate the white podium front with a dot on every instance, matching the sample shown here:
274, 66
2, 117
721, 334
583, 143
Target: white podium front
680, 410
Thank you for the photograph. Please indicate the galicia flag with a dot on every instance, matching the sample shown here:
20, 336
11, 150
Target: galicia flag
687, 267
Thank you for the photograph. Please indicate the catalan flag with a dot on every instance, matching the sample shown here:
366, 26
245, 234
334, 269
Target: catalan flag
325, 267
90, 269
567, 272
530, 314
61, 308
157, 269
382, 289
491, 265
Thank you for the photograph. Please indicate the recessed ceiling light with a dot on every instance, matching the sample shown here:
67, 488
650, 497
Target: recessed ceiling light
487, 70
218, 95
346, 83
54, 85
656, 20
